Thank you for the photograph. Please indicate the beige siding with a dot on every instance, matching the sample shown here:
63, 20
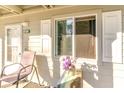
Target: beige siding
49, 67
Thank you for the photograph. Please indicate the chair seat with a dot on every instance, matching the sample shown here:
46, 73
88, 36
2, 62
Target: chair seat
13, 77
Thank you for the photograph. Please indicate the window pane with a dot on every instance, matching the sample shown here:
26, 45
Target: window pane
64, 37
85, 37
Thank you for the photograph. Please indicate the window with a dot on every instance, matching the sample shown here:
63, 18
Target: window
63, 37
83, 42
85, 33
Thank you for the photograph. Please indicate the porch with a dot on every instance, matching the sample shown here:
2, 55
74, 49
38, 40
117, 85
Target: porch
86, 33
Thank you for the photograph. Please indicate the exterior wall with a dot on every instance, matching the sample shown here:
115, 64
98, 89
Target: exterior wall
95, 74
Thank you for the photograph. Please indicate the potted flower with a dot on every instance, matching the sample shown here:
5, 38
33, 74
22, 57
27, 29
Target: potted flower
68, 63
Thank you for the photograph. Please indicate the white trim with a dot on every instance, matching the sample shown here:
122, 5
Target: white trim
73, 38
96, 36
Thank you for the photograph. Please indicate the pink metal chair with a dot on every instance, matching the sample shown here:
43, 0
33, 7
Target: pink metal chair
23, 69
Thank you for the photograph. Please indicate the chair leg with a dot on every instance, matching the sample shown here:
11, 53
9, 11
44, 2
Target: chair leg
0, 84
17, 83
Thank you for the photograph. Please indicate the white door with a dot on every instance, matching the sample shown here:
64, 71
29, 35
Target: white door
112, 37
13, 43
46, 37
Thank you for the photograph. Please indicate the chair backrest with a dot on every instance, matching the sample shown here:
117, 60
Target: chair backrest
27, 59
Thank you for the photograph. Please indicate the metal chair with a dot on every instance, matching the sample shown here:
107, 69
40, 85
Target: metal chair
23, 69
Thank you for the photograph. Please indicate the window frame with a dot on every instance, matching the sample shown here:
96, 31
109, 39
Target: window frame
97, 14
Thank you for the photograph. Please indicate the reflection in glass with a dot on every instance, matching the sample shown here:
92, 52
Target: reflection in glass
85, 37
64, 37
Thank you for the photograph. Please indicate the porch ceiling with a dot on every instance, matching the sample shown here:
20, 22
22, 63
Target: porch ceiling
21, 9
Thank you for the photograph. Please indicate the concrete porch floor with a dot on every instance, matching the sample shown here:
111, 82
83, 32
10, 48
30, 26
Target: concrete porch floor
23, 84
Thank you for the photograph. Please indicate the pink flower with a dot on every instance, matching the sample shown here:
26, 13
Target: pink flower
67, 63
